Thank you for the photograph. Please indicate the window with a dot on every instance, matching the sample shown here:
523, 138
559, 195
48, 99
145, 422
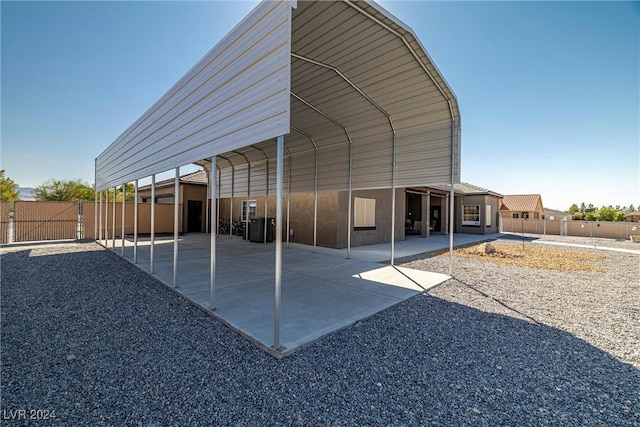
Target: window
250, 207
364, 213
471, 215
487, 215
516, 216
525, 215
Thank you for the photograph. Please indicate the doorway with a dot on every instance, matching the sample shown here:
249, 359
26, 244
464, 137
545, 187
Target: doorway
413, 216
435, 219
194, 216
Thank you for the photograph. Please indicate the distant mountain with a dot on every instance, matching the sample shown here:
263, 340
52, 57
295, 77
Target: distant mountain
27, 193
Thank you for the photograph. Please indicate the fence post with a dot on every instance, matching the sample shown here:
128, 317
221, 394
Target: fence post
79, 226
544, 226
11, 228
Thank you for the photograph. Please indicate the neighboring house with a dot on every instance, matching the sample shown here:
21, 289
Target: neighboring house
526, 206
632, 216
552, 214
193, 198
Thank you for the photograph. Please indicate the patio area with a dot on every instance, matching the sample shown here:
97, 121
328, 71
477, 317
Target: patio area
322, 291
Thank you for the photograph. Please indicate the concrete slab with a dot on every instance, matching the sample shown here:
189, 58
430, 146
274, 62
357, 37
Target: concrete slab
322, 290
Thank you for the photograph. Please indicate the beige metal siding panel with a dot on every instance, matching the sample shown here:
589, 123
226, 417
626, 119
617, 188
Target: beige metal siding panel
241, 180
238, 94
303, 172
225, 182
333, 168
259, 178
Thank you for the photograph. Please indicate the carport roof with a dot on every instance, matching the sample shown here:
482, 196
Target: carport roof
338, 78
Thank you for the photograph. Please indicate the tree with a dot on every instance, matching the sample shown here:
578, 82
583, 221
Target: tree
8, 189
573, 209
64, 191
129, 195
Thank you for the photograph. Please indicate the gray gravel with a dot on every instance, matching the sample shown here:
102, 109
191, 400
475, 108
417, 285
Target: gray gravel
104, 344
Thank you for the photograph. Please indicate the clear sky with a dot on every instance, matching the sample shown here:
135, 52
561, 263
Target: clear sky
549, 92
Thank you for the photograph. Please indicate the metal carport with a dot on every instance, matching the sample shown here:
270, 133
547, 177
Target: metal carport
337, 96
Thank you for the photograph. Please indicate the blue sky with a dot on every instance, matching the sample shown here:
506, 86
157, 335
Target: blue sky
549, 92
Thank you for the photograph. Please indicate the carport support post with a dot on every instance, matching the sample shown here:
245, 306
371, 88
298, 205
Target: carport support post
233, 184
212, 265
176, 218
289, 203
266, 204
123, 212
207, 214
219, 185
246, 213
106, 219
99, 233
153, 222
393, 202
113, 221
135, 223
315, 201
95, 216
278, 284
350, 202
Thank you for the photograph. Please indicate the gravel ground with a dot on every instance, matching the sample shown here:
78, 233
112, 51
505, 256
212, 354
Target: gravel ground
101, 343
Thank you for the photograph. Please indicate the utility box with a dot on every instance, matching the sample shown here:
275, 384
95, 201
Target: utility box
256, 229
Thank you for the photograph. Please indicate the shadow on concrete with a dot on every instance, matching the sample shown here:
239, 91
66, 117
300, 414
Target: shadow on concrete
103, 344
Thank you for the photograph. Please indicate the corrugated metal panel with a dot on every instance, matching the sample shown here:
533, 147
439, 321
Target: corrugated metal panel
259, 178
303, 172
372, 50
241, 180
225, 182
379, 63
237, 94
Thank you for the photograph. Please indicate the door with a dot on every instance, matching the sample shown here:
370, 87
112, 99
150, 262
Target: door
194, 216
435, 221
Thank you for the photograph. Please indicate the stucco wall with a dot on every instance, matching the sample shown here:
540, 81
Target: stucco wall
382, 232
482, 201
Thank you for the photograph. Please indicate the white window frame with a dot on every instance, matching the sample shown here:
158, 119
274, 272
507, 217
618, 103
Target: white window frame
252, 204
364, 213
471, 215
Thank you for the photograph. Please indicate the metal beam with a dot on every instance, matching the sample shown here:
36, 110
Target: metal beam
113, 222
123, 215
153, 222
246, 214
106, 219
135, 223
99, 235
212, 261
95, 216
176, 225
315, 185
266, 193
278, 261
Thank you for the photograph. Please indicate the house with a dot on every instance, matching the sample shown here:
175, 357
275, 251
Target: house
193, 199
525, 206
632, 216
556, 215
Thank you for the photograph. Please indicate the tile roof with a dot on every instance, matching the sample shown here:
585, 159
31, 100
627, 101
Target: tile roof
521, 202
